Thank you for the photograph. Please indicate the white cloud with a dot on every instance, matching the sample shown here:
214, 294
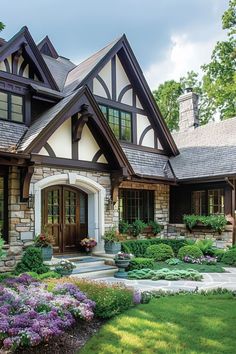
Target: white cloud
182, 55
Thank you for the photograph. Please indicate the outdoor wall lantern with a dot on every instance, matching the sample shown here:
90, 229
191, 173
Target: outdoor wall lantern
31, 201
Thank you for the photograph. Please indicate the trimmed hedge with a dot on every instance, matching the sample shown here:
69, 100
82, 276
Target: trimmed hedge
138, 247
190, 251
159, 252
140, 263
230, 257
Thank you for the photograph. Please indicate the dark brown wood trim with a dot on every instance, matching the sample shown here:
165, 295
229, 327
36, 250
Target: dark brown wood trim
49, 150
62, 162
103, 84
119, 105
97, 155
113, 77
75, 144
123, 91
22, 67
6, 62
25, 177
144, 133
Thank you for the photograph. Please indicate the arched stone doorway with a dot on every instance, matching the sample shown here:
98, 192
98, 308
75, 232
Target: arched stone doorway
95, 195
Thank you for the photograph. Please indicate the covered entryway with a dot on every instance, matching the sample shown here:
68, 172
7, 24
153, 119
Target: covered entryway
65, 216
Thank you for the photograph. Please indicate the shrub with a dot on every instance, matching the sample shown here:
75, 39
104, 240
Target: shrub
140, 263
31, 261
50, 274
173, 261
230, 257
219, 253
137, 227
159, 252
206, 246
190, 251
110, 299
156, 228
124, 227
138, 247
165, 273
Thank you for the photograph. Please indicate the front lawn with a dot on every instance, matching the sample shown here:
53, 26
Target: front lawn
201, 268
183, 324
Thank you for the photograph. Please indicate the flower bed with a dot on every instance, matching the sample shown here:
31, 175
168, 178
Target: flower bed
30, 314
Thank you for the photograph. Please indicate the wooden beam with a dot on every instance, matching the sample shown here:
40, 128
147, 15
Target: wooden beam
25, 176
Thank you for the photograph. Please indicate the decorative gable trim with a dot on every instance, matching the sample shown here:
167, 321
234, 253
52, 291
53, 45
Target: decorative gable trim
46, 47
23, 41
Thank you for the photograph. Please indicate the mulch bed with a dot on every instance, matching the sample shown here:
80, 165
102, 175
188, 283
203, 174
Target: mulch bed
69, 343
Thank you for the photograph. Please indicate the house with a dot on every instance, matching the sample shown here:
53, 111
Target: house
82, 146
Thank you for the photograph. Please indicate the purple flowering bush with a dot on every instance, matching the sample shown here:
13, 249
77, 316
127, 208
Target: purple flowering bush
201, 260
30, 314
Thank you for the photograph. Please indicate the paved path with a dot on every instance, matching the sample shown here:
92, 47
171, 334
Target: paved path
209, 281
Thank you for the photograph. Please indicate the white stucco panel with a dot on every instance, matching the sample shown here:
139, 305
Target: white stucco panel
122, 79
43, 152
3, 66
98, 89
87, 145
138, 104
102, 159
142, 123
128, 97
105, 74
148, 139
26, 70
60, 141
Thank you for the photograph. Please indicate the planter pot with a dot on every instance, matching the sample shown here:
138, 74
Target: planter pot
112, 247
122, 264
47, 253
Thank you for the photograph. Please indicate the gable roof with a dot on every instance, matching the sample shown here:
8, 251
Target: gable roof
46, 47
24, 37
47, 123
88, 69
207, 151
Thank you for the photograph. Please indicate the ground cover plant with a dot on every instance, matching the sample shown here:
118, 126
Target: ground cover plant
165, 273
111, 299
189, 323
201, 268
30, 314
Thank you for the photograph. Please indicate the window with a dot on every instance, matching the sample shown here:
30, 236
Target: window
119, 121
11, 107
208, 202
136, 204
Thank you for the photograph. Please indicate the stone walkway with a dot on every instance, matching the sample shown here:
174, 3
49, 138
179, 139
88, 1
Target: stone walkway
210, 281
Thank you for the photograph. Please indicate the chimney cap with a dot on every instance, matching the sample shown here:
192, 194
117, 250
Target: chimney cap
188, 89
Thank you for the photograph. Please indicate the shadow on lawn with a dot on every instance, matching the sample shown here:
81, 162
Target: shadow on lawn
180, 324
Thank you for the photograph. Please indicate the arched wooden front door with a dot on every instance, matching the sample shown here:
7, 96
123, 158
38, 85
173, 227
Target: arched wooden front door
65, 216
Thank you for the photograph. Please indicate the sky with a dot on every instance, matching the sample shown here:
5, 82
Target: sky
168, 37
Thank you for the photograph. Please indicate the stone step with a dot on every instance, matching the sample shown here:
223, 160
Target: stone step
94, 272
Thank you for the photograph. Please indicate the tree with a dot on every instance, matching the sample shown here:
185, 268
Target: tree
219, 81
1, 26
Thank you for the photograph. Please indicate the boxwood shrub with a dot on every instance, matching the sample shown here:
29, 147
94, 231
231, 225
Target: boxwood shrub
190, 251
159, 252
230, 257
138, 247
140, 263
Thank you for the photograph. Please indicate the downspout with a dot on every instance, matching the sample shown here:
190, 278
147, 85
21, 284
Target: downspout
232, 185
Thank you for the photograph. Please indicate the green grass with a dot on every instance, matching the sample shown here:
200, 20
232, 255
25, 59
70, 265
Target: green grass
202, 268
186, 324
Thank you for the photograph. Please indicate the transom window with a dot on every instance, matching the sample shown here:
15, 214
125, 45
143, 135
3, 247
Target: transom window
208, 202
119, 121
11, 107
136, 204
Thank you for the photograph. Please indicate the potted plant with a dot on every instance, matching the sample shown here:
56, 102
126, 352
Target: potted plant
112, 244
88, 244
137, 227
122, 261
45, 241
64, 267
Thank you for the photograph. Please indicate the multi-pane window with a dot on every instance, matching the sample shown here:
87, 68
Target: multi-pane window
119, 121
208, 202
11, 107
136, 204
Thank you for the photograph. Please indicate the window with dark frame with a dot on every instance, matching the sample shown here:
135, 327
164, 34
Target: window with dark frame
119, 121
11, 107
136, 204
208, 202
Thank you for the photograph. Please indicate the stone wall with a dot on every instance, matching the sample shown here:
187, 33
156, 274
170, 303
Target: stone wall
161, 207
220, 241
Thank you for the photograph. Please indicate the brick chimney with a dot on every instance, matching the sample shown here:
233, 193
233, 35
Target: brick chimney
188, 111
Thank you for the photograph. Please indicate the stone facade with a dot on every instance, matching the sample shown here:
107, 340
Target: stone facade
221, 240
